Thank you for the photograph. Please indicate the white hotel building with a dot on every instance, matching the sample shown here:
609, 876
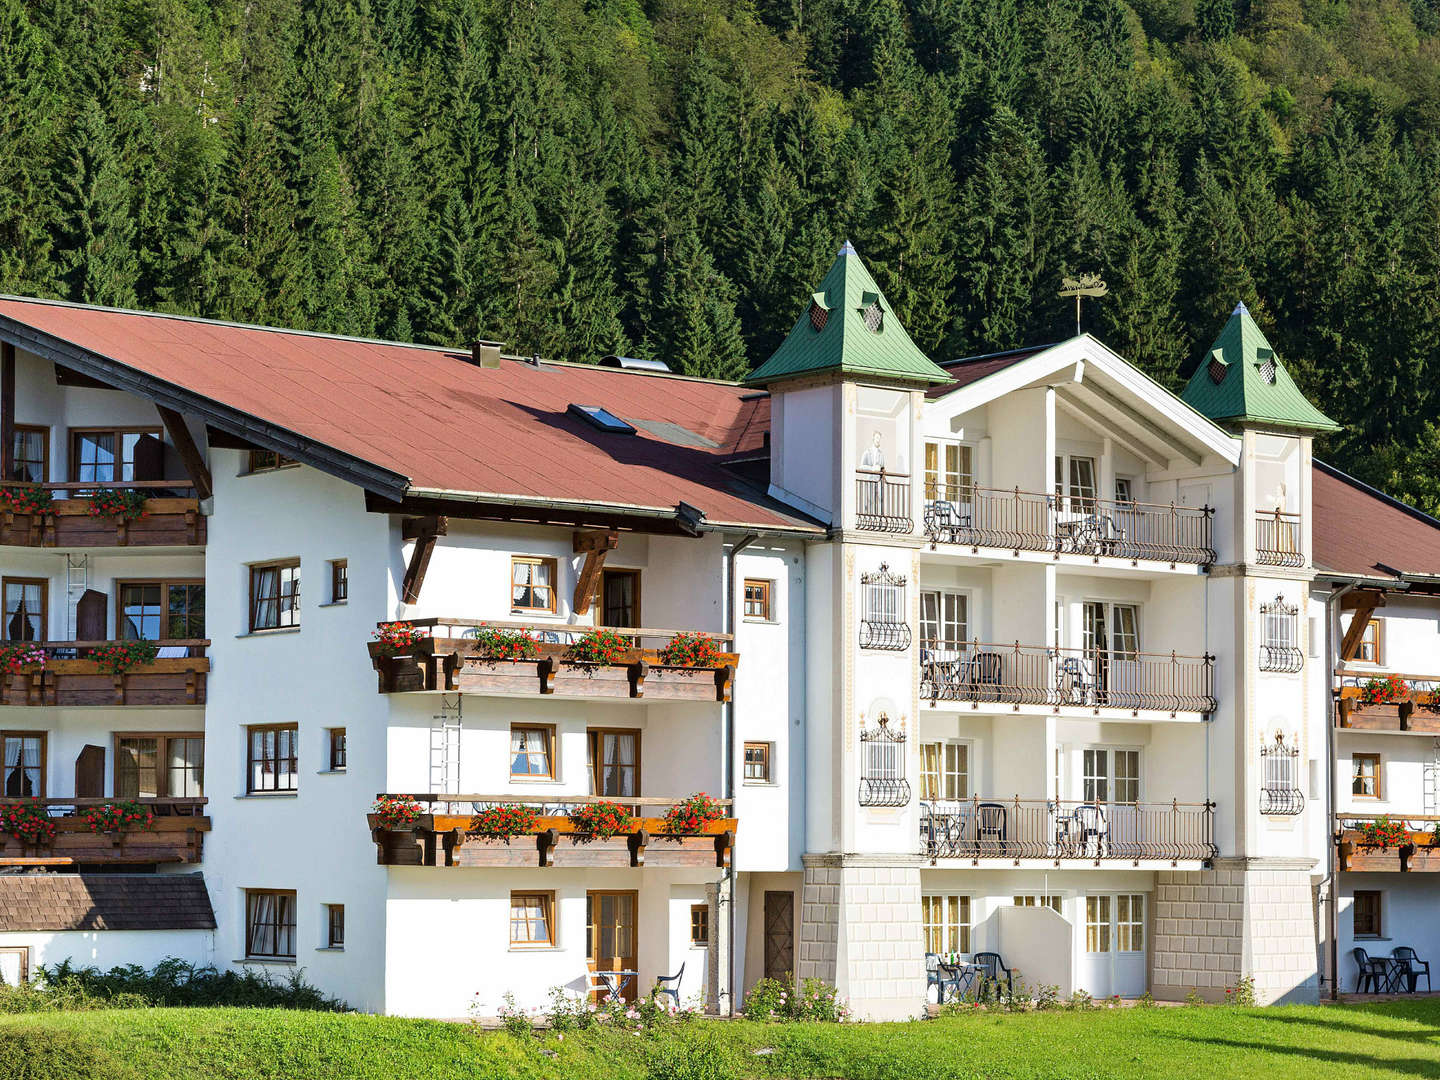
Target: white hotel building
1021, 654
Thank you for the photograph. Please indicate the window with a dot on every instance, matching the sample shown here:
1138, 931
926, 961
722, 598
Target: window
160, 610
337, 749
532, 919
32, 454
1280, 792
1366, 913
944, 770
532, 583
1130, 922
757, 598
1052, 902
1097, 924
109, 455
884, 616
1080, 473
24, 764
272, 757
882, 763
531, 751
25, 604
944, 620
270, 924
267, 461
1127, 776
160, 766
339, 581
947, 923
620, 598
1370, 651
334, 926
1097, 775
275, 595
757, 762
614, 762
1280, 641
699, 924
1123, 490
948, 474
1365, 775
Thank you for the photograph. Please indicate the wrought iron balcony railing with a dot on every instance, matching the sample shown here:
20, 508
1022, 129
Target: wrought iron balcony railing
1277, 539
979, 828
1018, 674
1028, 521
882, 501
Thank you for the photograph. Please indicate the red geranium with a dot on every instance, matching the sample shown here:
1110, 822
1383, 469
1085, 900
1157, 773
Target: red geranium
397, 810
601, 647
693, 814
118, 817
399, 637
602, 819
29, 822
691, 650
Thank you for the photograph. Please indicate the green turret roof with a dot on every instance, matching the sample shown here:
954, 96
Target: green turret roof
1241, 381
847, 326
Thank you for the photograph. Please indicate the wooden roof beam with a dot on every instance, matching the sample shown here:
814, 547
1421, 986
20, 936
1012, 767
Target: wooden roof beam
595, 543
424, 531
190, 455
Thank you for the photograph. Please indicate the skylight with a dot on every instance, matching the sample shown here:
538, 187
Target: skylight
602, 419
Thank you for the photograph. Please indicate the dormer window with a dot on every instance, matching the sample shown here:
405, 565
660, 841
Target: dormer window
1218, 368
874, 316
819, 314
1267, 370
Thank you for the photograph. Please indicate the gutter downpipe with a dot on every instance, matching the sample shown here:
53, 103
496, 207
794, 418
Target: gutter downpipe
727, 770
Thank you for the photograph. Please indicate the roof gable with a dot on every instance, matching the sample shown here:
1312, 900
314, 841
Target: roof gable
848, 327
1241, 381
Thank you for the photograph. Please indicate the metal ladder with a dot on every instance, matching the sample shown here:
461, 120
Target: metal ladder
77, 580
445, 747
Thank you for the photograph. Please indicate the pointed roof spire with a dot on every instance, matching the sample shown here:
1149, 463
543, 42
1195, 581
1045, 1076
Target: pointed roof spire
847, 326
1241, 382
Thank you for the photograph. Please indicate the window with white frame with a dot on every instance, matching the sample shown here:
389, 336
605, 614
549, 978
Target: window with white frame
1280, 636
947, 923
1097, 924
944, 619
949, 476
1130, 922
884, 618
944, 770
1031, 900
882, 764
1280, 793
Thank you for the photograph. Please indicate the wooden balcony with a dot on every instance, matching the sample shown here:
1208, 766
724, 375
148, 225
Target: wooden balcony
1013, 829
1421, 851
70, 678
447, 837
1277, 539
1418, 711
977, 517
170, 520
176, 837
1099, 681
451, 660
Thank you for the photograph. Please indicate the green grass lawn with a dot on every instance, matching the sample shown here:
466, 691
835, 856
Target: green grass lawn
1393, 1040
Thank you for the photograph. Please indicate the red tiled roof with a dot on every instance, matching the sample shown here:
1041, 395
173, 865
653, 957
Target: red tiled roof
1360, 531
430, 415
104, 902
972, 369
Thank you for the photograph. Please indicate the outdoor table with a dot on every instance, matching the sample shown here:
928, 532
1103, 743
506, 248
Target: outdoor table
615, 982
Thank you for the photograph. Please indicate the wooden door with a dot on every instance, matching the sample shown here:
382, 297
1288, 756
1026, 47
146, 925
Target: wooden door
91, 621
620, 597
611, 931
780, 935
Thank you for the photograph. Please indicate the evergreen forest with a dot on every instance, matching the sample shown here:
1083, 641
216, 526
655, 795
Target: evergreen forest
670, 178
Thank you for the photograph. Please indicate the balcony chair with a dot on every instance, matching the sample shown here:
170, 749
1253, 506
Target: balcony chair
986, 669
992, 967
663, 986
941, 976
1090, 824
1076, 680
1414, 967
990, 826
1371, 971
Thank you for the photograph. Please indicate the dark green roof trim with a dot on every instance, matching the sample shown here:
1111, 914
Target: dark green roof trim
858, 333
1253, 387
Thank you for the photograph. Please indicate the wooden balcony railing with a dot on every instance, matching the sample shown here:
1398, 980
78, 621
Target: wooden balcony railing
1029, 521
882, 501
70, 677
175, 837
1277, 539
1017, 828
1418, 709
451, 659
172, 517
1357, 851
449, 836
1097, 679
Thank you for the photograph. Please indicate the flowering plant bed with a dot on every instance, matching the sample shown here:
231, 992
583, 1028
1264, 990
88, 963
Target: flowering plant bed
496, 643
602, 819
19, 656
693, 814
397, 813
119, 657
28, 822
1383, 833
1387, 690
118, 817
26, 500
397, 638
601, 647
118, 505
505, 822
691, 650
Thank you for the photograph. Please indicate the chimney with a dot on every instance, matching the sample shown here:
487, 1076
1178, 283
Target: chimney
485, 354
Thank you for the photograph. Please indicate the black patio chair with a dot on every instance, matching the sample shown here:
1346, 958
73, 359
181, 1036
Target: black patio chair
1371, 971
993, 967
1414, 967
990, 826
661, 986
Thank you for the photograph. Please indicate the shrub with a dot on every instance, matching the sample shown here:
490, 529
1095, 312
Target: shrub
118, 505
118, 817
505, 822
26, 500
1242, 993
1383, 691
174, 982
571, 1012
514, 1019
1081, 1001
602, 819
815, 1001
1145, 1001
29, 822
692, 814
1383, 833
600, 647
504, 644
395, 638
691, 650
397, 811
1193, 998
16, 656
121, 656
1047, 997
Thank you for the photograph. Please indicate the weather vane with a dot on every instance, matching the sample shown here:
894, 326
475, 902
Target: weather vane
1084, 285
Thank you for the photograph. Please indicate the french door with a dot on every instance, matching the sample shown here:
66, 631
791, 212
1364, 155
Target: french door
1113, 952
611, 932
614, 763
1075, 487
1110, 778
1112, 651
